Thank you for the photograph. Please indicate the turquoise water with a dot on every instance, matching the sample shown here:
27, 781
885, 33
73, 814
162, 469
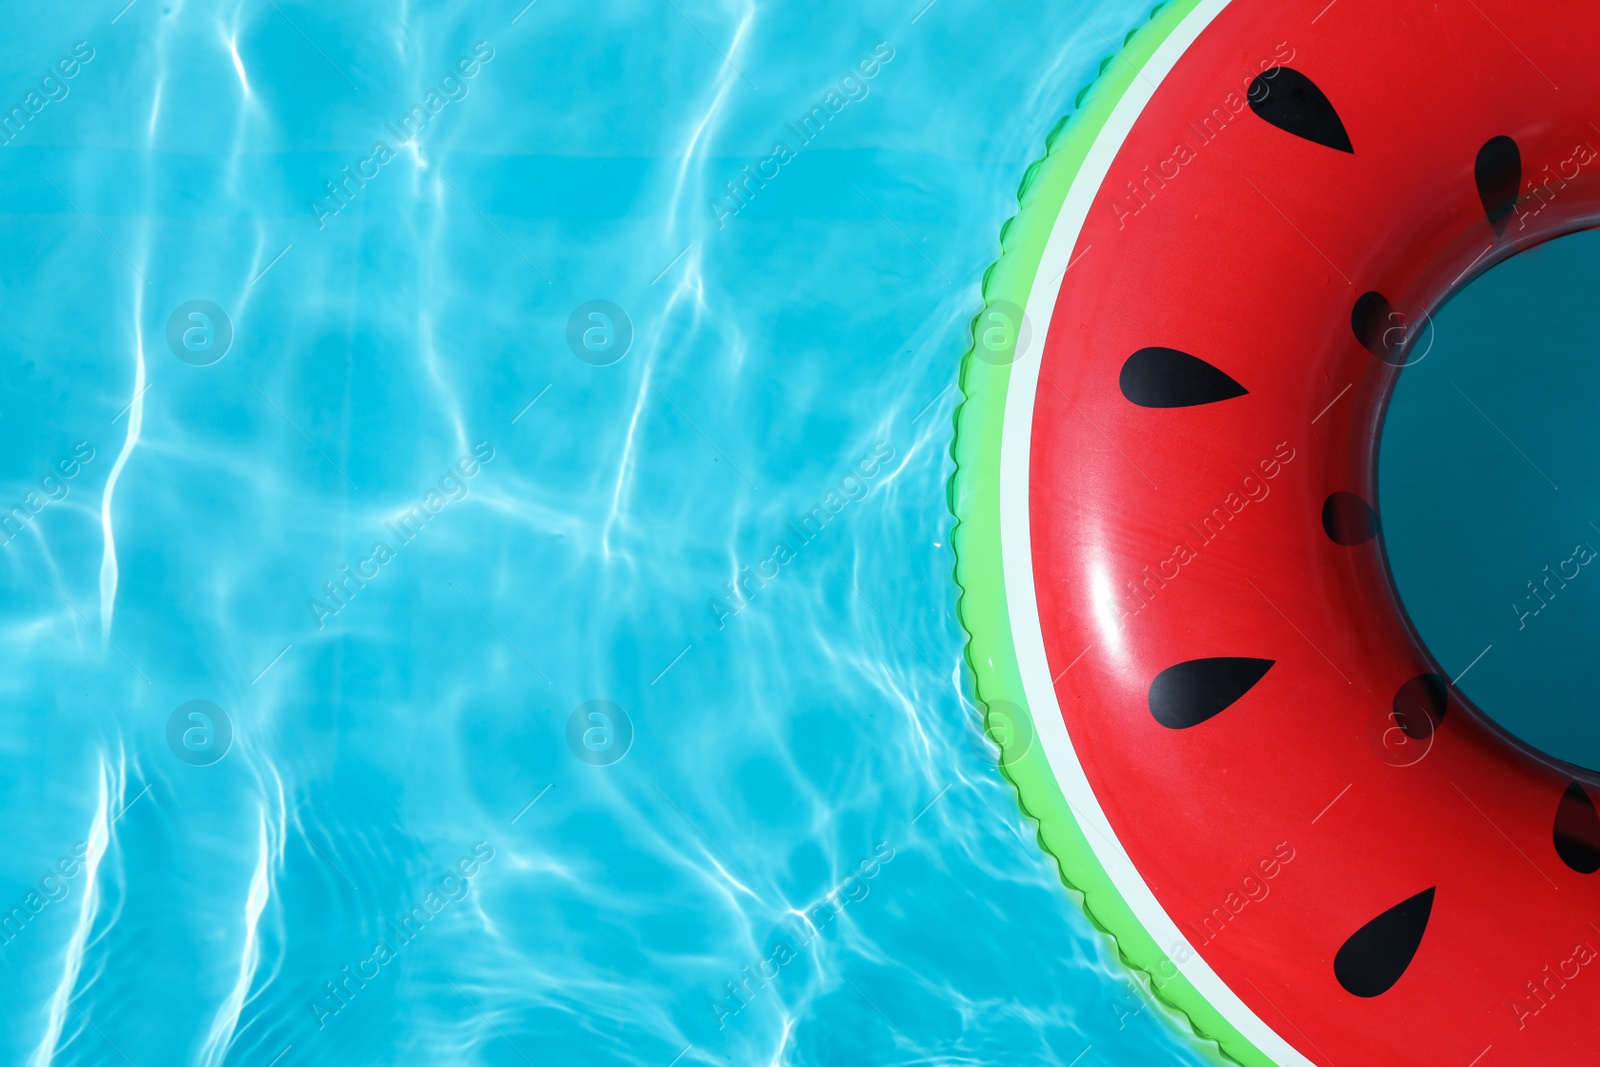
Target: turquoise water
1488, 478
376, 693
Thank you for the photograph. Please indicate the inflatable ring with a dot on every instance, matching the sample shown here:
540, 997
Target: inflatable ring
1182, 628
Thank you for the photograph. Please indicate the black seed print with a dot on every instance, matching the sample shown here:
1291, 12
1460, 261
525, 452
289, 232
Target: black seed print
1348, 519
1375, 956
1168, 378
1188, 694
1292, 102
1498, 173
1577, 831
1420, 704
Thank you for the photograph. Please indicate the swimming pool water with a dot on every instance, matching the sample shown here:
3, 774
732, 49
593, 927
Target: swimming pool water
478, 576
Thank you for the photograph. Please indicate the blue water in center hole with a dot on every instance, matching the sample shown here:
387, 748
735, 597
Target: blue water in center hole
1489, 486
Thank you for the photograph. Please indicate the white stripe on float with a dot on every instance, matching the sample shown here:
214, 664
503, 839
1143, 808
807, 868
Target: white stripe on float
1017, 561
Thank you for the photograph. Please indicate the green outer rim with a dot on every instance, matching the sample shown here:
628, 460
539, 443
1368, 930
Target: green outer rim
973, 495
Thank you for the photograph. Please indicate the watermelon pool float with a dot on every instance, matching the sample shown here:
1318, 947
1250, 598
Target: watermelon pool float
1183, 632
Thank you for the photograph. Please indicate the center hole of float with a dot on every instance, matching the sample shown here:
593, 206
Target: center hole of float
1489, 490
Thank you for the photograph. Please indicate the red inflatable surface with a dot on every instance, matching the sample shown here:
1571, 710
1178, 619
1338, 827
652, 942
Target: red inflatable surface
1253, 699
